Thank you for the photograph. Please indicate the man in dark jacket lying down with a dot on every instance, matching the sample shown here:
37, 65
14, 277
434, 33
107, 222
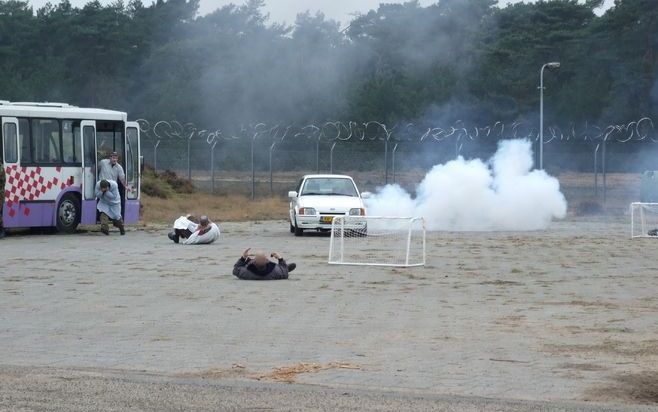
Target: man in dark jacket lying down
259, 267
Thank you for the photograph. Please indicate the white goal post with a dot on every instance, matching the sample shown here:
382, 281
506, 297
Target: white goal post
377, 241
644, 220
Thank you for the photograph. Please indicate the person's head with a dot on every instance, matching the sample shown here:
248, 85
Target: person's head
204, 221
260, 259
114, 157
105, 186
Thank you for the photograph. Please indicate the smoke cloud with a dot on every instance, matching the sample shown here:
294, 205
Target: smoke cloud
505, 194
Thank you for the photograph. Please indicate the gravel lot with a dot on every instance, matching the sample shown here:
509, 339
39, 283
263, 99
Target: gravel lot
569, 314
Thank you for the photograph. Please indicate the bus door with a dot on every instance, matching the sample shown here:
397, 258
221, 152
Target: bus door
10, 152
89, 171
133, 171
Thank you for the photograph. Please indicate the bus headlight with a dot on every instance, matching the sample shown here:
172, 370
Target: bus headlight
357, 212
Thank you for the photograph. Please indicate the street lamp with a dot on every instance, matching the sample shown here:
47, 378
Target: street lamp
551, 65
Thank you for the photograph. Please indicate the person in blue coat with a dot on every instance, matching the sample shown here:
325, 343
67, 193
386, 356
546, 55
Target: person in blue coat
109, 206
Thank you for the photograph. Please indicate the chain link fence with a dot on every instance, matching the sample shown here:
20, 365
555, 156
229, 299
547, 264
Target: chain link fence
265, 160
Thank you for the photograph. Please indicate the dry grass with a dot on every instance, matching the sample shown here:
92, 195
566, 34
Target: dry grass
228, 208
166, 196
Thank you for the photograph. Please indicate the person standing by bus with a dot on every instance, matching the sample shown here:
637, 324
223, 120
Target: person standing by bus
110, 169
2, 195
109, 206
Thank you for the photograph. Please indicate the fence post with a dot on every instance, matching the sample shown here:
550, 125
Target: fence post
331, 158
386, 161
458, 147
253, 169
604, 172
212, 167
596, 170
271, 173
189, 154
395, 149
155, 156
317, 155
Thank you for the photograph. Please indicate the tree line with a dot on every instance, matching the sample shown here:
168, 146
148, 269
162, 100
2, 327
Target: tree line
455, 60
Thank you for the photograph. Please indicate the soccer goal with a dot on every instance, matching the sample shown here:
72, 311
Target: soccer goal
377, 241
644, 220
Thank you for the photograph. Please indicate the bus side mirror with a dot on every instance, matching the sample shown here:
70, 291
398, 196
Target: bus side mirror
366, 195
292, 194
141, 165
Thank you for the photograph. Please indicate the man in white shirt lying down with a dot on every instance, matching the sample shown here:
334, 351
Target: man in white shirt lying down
191, 233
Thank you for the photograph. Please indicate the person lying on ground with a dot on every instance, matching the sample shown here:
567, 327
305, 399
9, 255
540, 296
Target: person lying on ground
203, 233
109, 206
260, 267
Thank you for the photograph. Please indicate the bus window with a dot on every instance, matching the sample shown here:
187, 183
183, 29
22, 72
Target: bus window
109, 138
45, 141
90, 146
89, 137
71, 142
24, 141
10, 143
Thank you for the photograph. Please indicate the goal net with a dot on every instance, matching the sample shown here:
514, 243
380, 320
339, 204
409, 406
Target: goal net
644, 220
377, 241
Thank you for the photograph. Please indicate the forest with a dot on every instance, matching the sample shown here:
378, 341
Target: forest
455, 60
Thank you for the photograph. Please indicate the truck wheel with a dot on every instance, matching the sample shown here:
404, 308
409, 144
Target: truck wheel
68, 213
298, 232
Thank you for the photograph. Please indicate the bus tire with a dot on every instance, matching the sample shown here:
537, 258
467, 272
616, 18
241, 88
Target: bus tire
68, 213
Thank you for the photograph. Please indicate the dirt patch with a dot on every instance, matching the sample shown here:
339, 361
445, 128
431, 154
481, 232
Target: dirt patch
284, 374
499, 282
582, 367
236, 371
585, 304
630, 349
632, 388
288, 374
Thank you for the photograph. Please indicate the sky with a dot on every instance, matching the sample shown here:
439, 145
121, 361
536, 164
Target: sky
286, 10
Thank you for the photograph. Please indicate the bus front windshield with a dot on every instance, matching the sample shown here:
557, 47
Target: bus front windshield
329, 187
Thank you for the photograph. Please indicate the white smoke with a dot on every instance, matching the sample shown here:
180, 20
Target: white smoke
470, 195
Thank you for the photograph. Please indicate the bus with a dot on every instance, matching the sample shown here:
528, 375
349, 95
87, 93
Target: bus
50, 153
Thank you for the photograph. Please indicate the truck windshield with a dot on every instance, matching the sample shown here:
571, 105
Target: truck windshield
329, 187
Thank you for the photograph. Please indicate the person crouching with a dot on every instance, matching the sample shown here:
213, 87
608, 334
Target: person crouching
260, 267
109, 206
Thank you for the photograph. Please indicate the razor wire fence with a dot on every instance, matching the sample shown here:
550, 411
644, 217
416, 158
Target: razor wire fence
267, 159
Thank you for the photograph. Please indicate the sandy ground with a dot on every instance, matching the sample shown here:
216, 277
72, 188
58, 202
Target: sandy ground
568, 314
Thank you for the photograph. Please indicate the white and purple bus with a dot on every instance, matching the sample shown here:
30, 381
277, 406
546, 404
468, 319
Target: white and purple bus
51, 153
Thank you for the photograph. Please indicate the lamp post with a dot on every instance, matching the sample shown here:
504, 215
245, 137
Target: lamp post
551, 65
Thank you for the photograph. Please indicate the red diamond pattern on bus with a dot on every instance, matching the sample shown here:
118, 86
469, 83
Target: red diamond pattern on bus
27, 183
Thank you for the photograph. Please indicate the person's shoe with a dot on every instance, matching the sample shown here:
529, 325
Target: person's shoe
105, 231
122, 231
2, 233
292, 266
173, 236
